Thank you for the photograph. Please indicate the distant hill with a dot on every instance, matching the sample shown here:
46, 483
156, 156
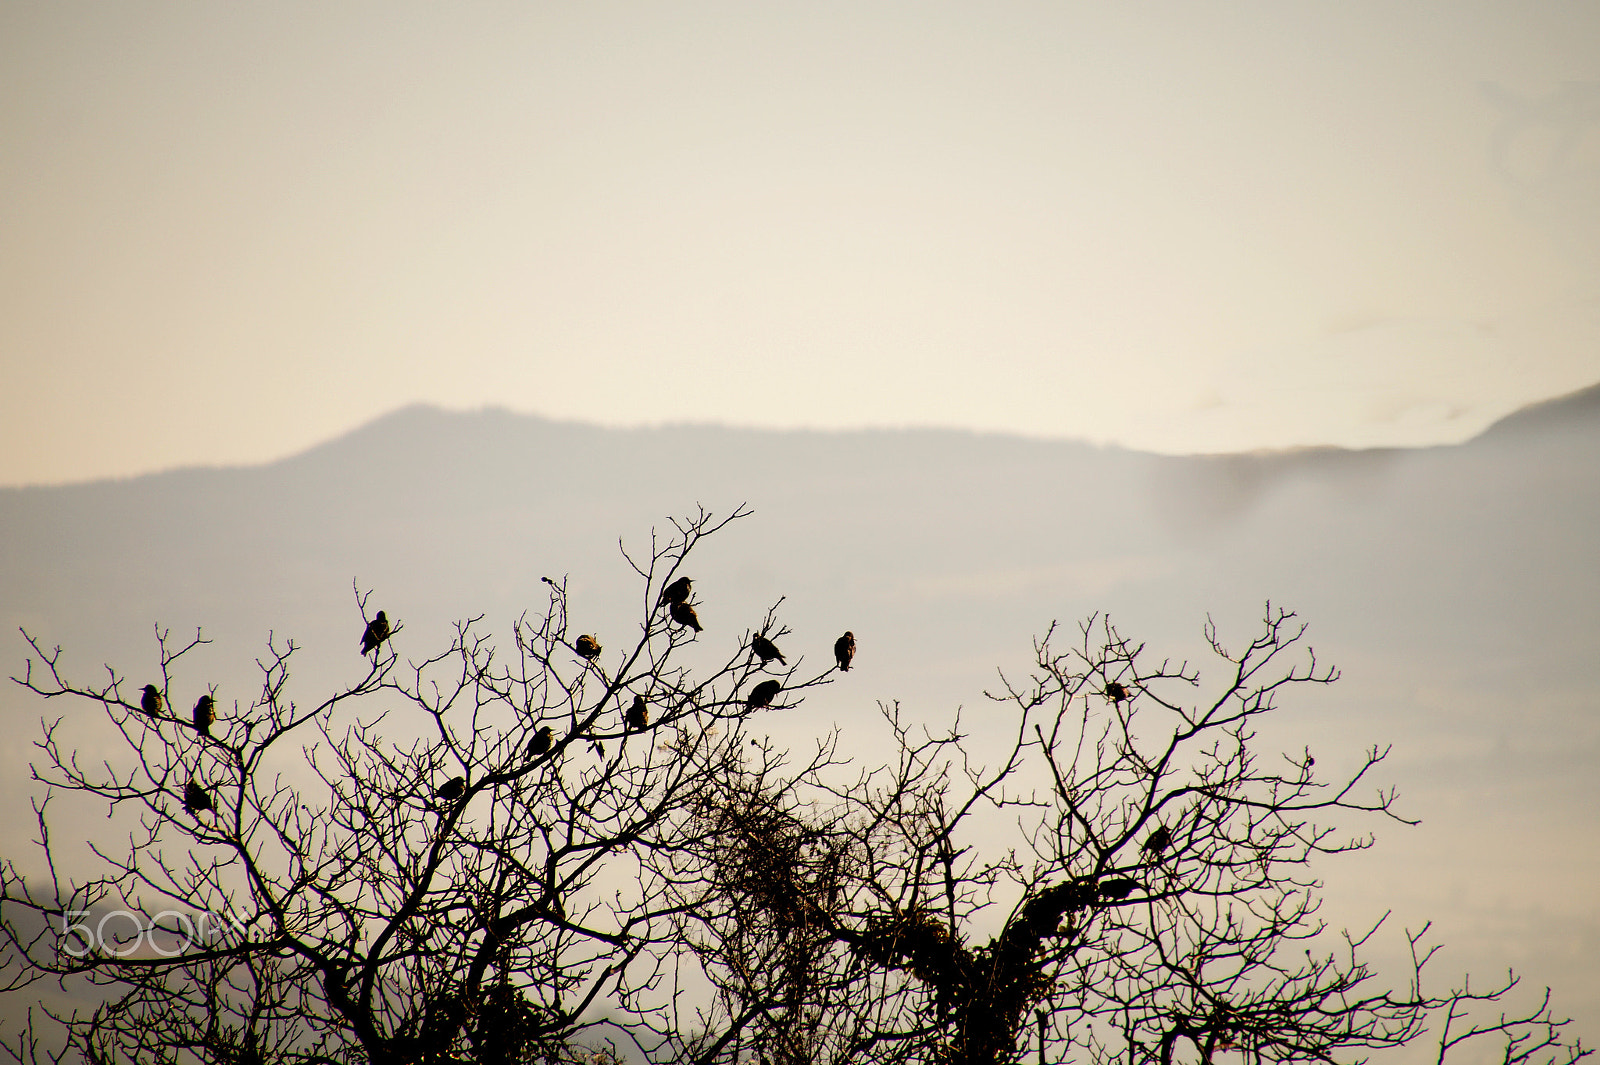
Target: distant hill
1458, 587
1578, 411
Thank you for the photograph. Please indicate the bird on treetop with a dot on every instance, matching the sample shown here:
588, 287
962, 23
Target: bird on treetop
1116, 692
586, 646
377, 631
763, 694
844, 649
638, 715
452, 789
375, 634
677, 591
684, 614
1119, 888
541, 742
195, 798
205, 712
766, 649
151, 702
1158, 842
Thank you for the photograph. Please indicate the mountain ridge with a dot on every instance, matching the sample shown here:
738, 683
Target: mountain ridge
1573, 409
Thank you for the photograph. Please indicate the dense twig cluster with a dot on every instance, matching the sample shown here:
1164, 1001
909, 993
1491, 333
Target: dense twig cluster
574, 852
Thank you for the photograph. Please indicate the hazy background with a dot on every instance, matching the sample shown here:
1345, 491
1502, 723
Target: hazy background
232, 231
890, 273
1456, 587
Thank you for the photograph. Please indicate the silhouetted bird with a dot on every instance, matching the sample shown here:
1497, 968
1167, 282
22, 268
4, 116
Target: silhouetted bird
452, 789
1119, 888
377, 632
1158, 842
684, 614
763, 694
1116, 692
541, 742
151, 702
638, 715
205, 712
586, 646
844, 649
677, 591
195, 798
766, 649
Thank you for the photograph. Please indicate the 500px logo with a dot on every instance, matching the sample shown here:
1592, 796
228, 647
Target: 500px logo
121, 933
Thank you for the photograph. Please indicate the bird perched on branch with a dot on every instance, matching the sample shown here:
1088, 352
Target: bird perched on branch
684, 614
205, 712
1158, 842
766, 650
844, 649
763, 694
1119, 888
1116, 692
638, 715
195, 798
150, 701
541, 742
586, 646
452, 789
377, 631
677, 591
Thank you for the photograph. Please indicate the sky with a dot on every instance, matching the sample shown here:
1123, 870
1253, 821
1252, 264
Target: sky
230, 232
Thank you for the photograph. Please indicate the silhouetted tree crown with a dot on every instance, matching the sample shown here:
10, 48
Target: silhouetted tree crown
561, 856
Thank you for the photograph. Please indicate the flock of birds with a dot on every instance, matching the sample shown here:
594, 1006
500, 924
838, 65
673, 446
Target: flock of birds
675, 597
196, 799
151, 701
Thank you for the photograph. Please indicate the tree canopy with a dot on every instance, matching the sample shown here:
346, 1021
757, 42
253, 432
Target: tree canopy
581, 849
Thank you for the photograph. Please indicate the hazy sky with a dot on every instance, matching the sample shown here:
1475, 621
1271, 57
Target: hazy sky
229, 231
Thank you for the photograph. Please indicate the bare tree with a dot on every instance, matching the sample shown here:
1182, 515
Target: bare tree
575, 853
